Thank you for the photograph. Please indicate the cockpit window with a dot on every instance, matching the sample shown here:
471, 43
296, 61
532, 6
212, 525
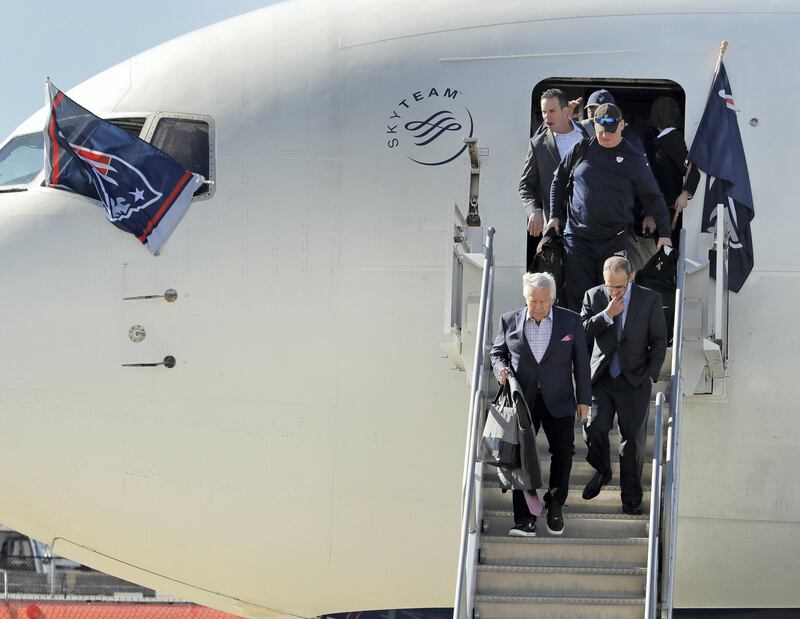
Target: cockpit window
187, 141
21, 160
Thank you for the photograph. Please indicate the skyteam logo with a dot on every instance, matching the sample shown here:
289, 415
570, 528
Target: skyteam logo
112, 172
429, 126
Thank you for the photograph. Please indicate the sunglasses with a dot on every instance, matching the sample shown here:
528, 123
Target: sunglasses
606, 120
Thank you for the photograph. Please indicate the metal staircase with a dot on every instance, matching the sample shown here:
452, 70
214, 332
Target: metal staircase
596, 570
607, 564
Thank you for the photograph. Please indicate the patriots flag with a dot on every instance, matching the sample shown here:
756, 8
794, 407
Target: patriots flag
144, 191
717, 150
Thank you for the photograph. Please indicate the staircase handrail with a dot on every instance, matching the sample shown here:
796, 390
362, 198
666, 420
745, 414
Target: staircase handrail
651, 590
467, 556
672, 468
664, 499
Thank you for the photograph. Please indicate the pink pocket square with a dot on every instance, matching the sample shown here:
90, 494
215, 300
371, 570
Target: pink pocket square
567, 338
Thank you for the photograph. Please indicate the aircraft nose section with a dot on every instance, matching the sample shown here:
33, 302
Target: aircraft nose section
39, 274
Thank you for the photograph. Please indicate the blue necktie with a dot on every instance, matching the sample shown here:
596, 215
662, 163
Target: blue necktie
614, 368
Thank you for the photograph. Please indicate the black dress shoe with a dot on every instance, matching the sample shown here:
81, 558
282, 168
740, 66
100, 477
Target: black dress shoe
632, 509
592, 488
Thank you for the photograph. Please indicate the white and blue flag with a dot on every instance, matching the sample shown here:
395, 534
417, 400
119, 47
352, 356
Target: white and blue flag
144, 191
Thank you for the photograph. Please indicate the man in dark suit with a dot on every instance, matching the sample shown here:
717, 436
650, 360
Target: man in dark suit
545, 348
556, 138
626, 323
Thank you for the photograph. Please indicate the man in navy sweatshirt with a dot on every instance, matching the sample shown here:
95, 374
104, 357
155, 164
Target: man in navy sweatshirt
599, 213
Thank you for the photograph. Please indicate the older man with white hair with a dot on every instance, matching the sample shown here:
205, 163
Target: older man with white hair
545, 348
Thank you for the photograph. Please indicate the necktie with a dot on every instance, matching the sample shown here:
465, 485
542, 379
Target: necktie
614, 367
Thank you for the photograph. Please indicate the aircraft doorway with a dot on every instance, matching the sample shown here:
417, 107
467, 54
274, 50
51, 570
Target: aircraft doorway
634, 97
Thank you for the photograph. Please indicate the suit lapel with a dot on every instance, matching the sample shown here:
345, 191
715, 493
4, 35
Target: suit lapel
526, 345
632, 307
550, 143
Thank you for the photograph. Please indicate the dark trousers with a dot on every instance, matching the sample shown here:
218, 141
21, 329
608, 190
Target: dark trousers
632, 407
584, 260
560, 433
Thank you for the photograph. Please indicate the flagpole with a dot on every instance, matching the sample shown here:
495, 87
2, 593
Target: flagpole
722, 49
47, 106
721, 286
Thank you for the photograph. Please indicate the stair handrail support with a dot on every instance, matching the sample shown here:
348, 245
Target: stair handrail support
470, 504
720, 284
674, 444
651, 589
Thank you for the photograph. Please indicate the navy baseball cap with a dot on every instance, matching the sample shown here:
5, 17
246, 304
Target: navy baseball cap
607, 117
599, 97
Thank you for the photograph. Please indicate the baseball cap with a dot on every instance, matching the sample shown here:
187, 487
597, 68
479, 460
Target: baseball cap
598, 97
607, 117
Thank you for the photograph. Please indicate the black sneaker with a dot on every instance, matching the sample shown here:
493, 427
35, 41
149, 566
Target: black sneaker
524, 530
555, 521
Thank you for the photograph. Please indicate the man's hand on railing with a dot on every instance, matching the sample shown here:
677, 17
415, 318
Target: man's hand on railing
681, 203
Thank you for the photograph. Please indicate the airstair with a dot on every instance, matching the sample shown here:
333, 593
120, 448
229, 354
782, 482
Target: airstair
597, 569
606, 565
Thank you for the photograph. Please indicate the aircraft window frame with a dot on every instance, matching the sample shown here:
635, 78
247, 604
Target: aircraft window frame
151, 126
123, 121
637, 91
586, 85
23, 186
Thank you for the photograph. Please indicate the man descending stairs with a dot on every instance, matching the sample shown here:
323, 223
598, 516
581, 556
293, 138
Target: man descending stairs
596, 569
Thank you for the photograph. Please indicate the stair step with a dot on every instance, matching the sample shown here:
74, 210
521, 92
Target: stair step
607, 502
628, 582
564, 551
581, 473
589, 525
547, 607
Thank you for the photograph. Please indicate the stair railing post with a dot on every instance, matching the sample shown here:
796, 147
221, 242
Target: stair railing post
464, 594
672, 462
651, 593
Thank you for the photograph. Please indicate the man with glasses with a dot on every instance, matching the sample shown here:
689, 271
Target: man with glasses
597, 215
626, 323
595, 100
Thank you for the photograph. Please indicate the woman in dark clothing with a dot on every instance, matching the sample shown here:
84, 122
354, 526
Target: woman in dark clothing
676, 180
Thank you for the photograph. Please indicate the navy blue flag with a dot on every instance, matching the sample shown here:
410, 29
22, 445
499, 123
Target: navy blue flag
144, 190
717, 150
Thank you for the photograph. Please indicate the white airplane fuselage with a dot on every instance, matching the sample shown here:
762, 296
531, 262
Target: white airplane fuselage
305, 454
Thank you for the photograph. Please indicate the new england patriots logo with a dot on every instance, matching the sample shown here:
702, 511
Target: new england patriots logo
728, 100
112, 174
144, 191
